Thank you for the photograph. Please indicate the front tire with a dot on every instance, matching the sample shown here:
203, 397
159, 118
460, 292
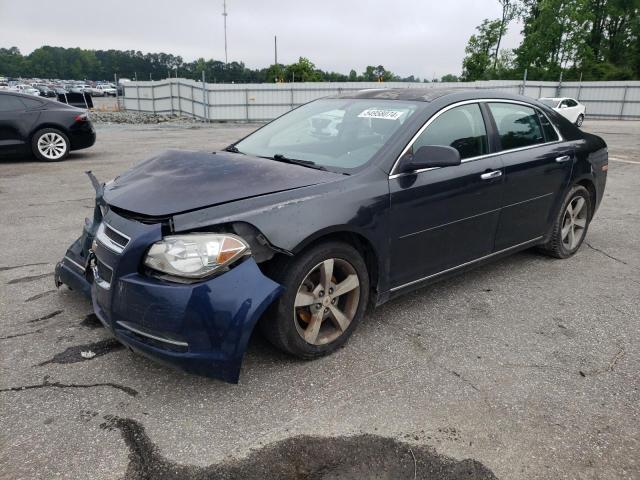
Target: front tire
326, 294
579, 120
50, 145
571, 225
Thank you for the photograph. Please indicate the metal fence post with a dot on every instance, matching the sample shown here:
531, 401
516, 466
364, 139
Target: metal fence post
138, 95
171, 94
193, 102
291, 98
624, 100
246, 103
205, 103
524, 83
179, 99
539, 91
559, 87
153, 98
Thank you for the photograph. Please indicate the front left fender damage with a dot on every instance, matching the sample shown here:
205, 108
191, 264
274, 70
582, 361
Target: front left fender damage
202, 328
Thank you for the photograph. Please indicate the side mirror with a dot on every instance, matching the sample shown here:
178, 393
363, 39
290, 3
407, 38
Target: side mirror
430, 156
564, 105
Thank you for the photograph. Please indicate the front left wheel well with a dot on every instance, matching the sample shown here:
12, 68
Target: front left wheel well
356, 240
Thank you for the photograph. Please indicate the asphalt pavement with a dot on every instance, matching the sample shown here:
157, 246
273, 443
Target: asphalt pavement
528, 368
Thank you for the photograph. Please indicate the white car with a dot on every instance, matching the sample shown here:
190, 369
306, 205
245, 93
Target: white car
28, 89
569, 108
104, 90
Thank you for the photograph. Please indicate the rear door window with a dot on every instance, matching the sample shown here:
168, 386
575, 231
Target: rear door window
518, 125
461, 128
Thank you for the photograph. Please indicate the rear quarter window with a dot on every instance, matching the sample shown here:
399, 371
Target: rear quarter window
518, 125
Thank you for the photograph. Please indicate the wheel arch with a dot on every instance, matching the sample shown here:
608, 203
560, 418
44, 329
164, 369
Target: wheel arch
44, 125
590, 185
358, 240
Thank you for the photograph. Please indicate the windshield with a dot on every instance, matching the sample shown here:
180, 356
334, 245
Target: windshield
341, 134
549, 102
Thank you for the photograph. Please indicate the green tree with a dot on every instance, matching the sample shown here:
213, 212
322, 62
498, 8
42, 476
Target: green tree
477, 61
449, 78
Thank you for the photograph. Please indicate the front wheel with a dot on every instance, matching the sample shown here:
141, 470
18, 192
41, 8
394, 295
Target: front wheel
571, 224
579, 120
50, 145
326, 295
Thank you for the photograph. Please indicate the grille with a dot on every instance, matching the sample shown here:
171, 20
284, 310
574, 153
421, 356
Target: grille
104, 271
116, 237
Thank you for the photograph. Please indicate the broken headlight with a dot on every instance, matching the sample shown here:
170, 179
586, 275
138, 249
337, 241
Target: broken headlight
196, 255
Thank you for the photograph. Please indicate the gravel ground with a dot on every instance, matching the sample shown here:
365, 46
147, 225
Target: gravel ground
523, 369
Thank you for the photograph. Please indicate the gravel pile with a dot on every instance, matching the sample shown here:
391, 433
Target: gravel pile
138, 118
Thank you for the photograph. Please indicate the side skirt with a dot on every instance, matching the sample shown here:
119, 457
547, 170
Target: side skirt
450, 272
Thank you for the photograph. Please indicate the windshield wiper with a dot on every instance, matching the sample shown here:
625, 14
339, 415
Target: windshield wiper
305, 163
232, 149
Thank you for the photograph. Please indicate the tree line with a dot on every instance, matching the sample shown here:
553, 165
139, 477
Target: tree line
578, 39
80, 64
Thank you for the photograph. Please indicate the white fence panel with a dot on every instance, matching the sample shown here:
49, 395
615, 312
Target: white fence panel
262, 102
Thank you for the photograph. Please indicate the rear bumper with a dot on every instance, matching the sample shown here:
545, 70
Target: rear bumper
201, 328
82, 137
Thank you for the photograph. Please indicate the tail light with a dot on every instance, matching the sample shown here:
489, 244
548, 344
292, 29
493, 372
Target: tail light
83, 117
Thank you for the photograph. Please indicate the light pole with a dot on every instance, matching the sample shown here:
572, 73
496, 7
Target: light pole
224, 14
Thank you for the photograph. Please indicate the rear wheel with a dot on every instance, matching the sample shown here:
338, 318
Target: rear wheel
326, 294
50, 145
571, 224
579, 120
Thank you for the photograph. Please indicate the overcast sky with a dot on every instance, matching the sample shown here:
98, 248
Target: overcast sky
419, 37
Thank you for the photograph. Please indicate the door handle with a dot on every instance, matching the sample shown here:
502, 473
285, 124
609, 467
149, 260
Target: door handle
563, 158
490, 175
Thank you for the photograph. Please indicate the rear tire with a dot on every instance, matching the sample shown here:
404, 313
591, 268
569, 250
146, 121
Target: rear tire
571, 224
579, 120
326, 294
50, 145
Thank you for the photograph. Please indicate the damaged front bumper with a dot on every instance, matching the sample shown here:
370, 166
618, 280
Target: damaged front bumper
202, 328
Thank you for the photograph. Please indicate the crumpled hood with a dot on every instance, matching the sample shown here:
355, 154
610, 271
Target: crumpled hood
180, 180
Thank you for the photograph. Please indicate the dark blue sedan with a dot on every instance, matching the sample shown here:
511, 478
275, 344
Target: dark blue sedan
336, 206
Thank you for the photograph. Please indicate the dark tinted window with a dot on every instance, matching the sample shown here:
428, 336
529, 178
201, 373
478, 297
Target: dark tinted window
518, 125
461, 128
10, 103
572, 103
30, 102
550, 134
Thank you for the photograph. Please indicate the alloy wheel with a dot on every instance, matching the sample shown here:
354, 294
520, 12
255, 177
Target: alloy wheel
580, 120
326, 301
52, 146
574, 223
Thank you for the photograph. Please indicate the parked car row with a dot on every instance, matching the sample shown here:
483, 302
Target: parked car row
52, 89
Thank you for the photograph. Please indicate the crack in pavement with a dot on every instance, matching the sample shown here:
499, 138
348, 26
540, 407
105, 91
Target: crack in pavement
74, 354
46, 317
46, 384
30, 278
40, 295
605, 253
4, 269
301, 457
24, 334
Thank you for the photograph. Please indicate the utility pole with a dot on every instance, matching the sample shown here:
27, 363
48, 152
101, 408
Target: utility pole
275, 46
224, 14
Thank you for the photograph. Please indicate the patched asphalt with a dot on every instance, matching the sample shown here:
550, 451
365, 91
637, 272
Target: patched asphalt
527, 368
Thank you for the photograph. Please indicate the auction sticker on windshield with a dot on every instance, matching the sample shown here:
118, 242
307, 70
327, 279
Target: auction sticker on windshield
386, 114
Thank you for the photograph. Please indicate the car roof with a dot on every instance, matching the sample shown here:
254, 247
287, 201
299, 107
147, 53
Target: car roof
430, 94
